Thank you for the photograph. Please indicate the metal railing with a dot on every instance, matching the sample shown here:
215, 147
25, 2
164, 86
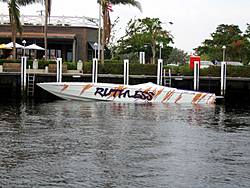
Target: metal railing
54, 20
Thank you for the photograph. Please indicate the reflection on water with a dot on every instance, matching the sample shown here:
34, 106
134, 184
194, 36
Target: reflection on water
96, 144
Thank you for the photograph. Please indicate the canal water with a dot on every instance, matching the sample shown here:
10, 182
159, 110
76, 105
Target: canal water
100, 144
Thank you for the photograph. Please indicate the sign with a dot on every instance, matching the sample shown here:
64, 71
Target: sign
193, 59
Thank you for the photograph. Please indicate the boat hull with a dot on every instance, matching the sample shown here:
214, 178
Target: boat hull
141, 93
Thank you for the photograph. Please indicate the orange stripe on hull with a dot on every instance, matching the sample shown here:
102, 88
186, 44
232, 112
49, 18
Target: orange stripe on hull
158, 93
203, 97
196, 98
65, 87
85, 88
210, 98
179, 97
168, 96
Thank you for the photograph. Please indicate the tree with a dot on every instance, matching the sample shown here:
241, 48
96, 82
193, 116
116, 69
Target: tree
105, 4
113, 45
14, 15
246, 44
225, 35
177, 56
145, 35
47, 14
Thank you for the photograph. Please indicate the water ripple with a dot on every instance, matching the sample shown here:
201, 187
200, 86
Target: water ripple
72, 144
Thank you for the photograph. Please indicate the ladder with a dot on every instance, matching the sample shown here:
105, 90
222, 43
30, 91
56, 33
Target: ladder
31, 84
167, 81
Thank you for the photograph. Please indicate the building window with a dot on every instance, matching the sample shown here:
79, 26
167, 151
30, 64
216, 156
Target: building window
69, 56
53, 53
58, 53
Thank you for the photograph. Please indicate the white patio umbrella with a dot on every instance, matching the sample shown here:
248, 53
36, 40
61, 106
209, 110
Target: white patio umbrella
1, 45
10, 45
34, 47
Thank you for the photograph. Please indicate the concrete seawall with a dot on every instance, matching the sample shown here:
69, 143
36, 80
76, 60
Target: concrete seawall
237, 89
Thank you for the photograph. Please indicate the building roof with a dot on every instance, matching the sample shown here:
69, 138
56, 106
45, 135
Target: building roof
40, 35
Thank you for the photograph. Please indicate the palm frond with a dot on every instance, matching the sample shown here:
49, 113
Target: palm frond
106, 18
28, 2
127, 2
16, 14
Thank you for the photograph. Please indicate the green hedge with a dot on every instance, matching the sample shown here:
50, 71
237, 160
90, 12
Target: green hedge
41, 63
141, 69
150, 69
71, 66
112, 68
238, 71
87, 67
117, 67
215, 71
9, 61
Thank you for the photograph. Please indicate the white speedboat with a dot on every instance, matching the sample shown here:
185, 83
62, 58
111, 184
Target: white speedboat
148, 92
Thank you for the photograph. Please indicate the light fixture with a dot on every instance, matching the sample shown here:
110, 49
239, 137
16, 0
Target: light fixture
161, 46
224, 48
95, 45
24, 42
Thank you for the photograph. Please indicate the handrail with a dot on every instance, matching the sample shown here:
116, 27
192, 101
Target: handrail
169, 75
54, 20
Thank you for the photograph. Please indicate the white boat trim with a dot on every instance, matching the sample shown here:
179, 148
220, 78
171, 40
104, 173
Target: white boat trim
141, 93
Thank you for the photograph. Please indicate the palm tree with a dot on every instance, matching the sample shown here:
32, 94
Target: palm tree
106, 18
47, 14
15, 24
14, 15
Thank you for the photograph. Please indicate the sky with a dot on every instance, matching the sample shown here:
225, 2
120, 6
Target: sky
193, 20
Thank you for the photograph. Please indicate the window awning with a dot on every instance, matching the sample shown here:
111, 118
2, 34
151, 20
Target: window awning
93, 46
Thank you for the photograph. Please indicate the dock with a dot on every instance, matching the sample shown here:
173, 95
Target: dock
236, 88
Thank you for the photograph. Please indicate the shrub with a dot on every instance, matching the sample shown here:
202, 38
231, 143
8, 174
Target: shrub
135, 68
112, 68
2, 61
238, 71
87, 67
214, 71
118, 68
71, 66
42, 63
112, 61
141, 69
186, 71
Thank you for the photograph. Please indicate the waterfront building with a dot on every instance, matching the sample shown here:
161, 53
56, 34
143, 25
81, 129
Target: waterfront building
69, 38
